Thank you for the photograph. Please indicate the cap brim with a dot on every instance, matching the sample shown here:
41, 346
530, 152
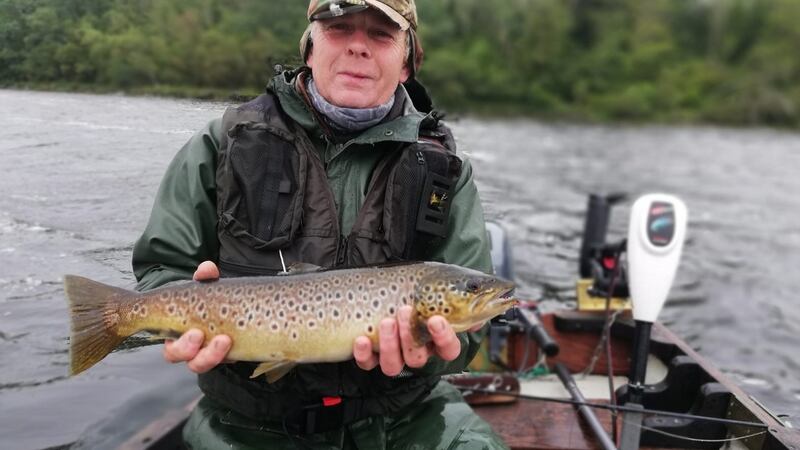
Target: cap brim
392, 14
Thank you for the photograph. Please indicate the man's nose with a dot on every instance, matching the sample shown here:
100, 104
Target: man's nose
358, 45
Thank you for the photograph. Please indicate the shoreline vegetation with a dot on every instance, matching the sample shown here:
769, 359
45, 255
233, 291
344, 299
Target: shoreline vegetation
729, 62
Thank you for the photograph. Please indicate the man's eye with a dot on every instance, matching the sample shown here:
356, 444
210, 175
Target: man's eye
339, 27
381, 34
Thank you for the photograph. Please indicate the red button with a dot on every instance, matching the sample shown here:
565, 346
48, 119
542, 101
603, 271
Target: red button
331, 401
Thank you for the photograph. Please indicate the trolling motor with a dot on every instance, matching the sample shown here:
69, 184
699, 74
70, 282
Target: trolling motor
601, 274
655, 241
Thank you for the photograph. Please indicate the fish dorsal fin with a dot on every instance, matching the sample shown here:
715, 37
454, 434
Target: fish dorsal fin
274, 370
300, 268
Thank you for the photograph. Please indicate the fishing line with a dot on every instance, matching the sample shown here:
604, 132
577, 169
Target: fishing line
687, 438
467, 390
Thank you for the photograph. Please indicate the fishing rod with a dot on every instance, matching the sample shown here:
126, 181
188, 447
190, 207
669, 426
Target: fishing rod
617, 408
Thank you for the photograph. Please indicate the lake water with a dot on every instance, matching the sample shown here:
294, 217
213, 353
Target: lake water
79, 173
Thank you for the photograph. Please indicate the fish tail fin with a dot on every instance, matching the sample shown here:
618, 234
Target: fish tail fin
94, 315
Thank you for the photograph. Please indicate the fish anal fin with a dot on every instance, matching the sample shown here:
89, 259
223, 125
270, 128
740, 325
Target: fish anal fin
274, 370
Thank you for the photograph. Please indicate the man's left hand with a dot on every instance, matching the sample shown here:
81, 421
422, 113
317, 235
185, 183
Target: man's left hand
398, 348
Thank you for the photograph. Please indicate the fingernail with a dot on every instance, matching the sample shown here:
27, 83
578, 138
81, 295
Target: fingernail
403, 314
388, 327
438, 326
217, 345
195, 338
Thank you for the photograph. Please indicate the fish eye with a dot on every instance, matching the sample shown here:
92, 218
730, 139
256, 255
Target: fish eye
473, 286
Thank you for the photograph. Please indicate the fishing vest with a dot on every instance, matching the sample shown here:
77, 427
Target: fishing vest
273, 194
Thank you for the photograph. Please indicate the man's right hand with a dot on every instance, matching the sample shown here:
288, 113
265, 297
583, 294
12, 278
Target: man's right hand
189, 347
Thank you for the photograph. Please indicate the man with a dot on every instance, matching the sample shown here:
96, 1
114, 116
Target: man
333, 166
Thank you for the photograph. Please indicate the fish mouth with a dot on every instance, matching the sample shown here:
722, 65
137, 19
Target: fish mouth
494, 301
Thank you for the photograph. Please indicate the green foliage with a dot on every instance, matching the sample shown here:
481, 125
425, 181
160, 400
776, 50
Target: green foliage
730, 61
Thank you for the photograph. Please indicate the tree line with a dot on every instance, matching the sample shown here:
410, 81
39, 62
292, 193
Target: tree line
722, 61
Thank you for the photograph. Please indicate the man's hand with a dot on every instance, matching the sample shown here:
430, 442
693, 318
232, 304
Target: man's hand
188, 347
397, 346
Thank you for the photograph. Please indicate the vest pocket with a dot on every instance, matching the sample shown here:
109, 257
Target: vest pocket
261, 188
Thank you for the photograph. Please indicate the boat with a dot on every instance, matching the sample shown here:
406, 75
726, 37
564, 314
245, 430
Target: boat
543, 378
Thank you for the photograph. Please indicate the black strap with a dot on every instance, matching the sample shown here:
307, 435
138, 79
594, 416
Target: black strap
269, 196
321, 418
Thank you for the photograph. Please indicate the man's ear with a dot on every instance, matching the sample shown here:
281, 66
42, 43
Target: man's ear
310, 56
405, 74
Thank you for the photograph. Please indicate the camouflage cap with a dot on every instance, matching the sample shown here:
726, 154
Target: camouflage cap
403, 12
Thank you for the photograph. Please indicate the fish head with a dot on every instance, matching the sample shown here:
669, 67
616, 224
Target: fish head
464, 297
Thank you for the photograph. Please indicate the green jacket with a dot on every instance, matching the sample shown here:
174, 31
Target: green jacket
181, 232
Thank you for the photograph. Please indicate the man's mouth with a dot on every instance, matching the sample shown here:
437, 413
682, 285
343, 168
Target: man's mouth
355, 75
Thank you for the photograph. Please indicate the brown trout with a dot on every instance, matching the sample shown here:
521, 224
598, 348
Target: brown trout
282, 321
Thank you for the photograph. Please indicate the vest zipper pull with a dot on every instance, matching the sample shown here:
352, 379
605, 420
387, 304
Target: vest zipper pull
420, 159
342, 252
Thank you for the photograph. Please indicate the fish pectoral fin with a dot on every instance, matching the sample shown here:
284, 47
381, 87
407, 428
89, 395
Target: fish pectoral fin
274, 370
299, 268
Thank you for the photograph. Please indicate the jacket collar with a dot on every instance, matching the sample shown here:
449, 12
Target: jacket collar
401, 125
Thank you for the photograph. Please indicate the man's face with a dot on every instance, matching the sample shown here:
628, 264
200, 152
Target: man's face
358, 59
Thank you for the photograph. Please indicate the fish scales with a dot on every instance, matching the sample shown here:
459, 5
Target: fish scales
304, 318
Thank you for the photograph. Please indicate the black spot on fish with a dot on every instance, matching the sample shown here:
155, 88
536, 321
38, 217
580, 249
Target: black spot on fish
211, 327
358, 315
224, 310
250, 317
205, 315
338, 295
376, 304
311, 324
267, 313
274, 326
171, 309
432, 308
446, 310
318, 297
394, 288
201, 306
335, 313
240, 323
321, 314
391, 310
383, 292
350, 296
304, 308
370, 329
